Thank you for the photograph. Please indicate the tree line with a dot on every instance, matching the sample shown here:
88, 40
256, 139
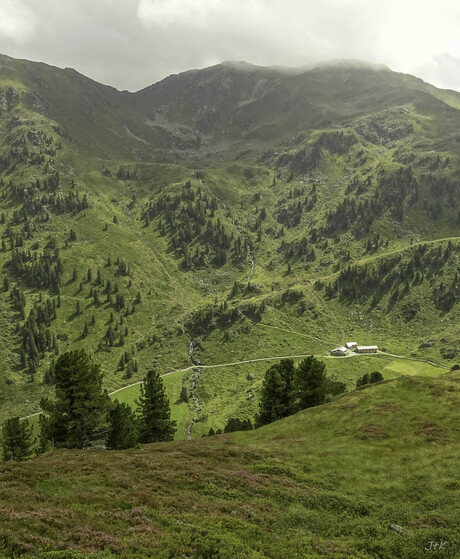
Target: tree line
358, 283
195, 234
81, 415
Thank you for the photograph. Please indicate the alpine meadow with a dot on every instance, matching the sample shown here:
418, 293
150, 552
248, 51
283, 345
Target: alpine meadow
261, 267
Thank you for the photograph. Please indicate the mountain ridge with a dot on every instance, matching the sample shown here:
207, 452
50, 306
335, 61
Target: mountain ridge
242, 210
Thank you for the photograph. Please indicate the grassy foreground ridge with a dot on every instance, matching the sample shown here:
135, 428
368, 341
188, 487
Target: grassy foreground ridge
327, 482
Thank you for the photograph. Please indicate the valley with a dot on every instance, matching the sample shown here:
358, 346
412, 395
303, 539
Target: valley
277, 239
207, 227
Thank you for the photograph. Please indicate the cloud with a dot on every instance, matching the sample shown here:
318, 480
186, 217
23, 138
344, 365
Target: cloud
133, 43
442, 71
17, 22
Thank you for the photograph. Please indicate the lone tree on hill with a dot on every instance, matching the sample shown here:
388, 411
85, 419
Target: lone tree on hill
17, 439
78, 415
155, 423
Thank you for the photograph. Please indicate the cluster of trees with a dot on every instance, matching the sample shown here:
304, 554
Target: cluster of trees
358, 283
14, 156
367, 378
125, 175
61, 132
203, 318
337, 142
445, 295
352, 215
233, 424
30, 195
37, 200
309, 157
291, 295
302, 161
287, 389
236, 424
395, 188
446, 187
82, 415
387, 126
196, 236
128, 364
36, 335
297, 249
394, 191
253, 311
290, 214
44, 270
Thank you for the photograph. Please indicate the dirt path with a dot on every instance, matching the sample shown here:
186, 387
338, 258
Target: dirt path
272, 358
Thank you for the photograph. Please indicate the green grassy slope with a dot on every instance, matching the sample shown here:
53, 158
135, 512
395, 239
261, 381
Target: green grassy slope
263, 241
329, 481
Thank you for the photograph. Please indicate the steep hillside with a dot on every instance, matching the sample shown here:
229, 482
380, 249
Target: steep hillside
224, 215
374, 474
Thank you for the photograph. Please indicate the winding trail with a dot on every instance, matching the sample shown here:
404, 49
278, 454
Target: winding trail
259, 359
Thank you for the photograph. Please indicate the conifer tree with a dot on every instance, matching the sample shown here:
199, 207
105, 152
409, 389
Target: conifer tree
155, 423
123, 430
276, 396
17, 439
78, 414
310, 383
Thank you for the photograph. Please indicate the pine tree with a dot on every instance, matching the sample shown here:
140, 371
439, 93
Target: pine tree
154, 411
271, 407
123, 431
17, 439
78, 414
310, 383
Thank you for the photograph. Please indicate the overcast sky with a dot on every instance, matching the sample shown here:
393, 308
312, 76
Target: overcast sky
131, 44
